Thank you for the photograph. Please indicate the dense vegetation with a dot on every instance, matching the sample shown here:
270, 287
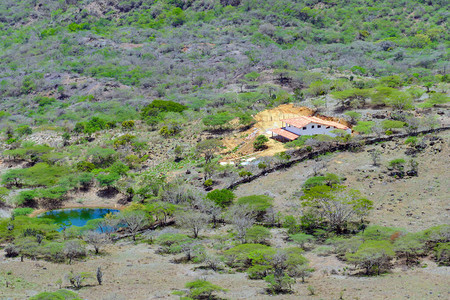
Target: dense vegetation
174, 50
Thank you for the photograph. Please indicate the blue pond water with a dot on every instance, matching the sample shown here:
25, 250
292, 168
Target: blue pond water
76, 216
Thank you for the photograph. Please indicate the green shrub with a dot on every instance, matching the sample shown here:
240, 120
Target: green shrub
159, 106
343, 246
290, 222
392, 124
354, 116
318, 88
128, 125
222, 198
397, 164
412, 140
22, 211
58, 295
44, 101
119, 167
102, 157
252, 76
257, 234
124, 140
52, 251
260, 142
352, 97
29, 152
392, 81
85, 166
73, 27
94, 124
373, 256
279, 284
259, 271
364, 127
24, 130
301, 239
376, 232
202, 289
262, 165
435, 100
41, 174
400, 100
218, 120
245, 173
241, 256
409, 246
208, 182
258, 203
329, 179
3, 193
167, 131
172, 242
442, 252
107, 179
437, 234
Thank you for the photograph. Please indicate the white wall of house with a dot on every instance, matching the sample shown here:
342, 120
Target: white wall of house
313, 128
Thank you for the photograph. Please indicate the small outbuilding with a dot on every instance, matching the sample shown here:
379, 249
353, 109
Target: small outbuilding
293, 128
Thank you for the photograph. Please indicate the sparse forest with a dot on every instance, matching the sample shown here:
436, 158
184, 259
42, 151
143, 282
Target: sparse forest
163, 112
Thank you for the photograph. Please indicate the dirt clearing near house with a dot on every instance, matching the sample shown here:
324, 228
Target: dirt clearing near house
265, 120
241, 144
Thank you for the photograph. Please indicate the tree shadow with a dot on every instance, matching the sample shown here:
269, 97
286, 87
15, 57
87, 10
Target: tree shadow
109, 192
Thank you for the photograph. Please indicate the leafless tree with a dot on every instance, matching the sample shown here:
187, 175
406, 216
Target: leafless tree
267, 28
303, 271
318, 166
192, 249
279, 263
211, 209
192, 220
181, 192
213, 262
413, 124
134, 221
76, 280
108, 225
96, 239
272, 217
375, 155
242, 217
430, 122
208, 147
73, 249
378, 130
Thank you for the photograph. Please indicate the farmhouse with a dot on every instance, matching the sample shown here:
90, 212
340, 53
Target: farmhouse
293, 128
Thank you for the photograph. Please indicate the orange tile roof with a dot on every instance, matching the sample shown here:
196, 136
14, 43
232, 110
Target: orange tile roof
297, 122
303, 121
284, 133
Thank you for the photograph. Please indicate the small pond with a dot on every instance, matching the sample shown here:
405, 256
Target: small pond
76, 216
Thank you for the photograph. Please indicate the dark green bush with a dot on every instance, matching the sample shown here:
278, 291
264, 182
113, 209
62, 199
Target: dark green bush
222, 198
22, 211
